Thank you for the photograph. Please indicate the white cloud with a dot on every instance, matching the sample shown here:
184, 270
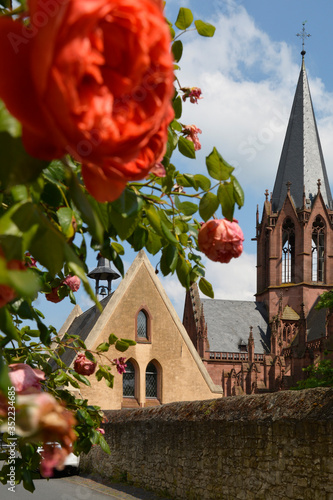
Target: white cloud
233, 281
248, 83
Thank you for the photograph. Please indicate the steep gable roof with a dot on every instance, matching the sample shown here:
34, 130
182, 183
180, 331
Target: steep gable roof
229, 321
302, 162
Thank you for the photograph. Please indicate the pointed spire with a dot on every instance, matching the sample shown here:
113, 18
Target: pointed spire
302, 161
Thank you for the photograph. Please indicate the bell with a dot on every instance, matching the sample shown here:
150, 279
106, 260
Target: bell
103, 272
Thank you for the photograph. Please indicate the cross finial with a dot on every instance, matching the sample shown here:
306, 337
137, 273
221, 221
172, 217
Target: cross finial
303, 35
319, 184
266, 194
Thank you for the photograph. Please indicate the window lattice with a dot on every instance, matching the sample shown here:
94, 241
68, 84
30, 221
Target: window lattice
151, 381
318, 249
129, 381
288, 251
142, 325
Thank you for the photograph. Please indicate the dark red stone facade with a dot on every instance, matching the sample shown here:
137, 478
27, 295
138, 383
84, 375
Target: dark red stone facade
289, 282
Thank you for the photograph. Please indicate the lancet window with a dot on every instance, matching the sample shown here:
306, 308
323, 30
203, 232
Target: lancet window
142, 325
318, 249
151, 381
129, 381
288, 251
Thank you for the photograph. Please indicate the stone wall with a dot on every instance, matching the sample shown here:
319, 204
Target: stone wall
272, 446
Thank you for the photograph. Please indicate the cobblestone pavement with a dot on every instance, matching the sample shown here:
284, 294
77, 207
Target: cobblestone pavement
116, 491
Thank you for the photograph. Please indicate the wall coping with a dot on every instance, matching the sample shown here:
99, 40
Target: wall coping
309, 404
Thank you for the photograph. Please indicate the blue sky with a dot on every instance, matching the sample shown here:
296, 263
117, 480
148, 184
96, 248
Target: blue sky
248, 73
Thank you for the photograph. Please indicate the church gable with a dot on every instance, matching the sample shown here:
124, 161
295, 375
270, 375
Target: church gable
163, 365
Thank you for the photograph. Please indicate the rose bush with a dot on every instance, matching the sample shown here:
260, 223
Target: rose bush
221, 240
99, 76
7, 293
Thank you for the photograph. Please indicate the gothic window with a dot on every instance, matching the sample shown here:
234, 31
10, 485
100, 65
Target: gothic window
318, 249
142, 326
151, 381
288, 251
129, 381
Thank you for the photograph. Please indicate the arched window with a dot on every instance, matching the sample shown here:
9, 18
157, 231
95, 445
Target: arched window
151, 381
129, 381
142, 326
318, 249
288, 251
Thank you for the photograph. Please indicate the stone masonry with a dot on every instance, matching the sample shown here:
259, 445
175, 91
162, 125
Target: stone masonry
257, 447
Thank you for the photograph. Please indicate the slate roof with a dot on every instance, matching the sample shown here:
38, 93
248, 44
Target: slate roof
316, 323
302, 162
229, 321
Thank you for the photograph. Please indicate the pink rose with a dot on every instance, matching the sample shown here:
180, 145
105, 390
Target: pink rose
158, 170
99, 76
221, 240
73, 282
102, 431
43, 419
26, 379
83, 365
120, 363
191, 133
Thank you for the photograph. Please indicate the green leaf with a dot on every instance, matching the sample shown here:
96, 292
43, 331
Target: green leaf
154, 243
85, 206
121, 345
183, 271
238, 191
103, 347
17, 166
65, 217
202, 181
177, 107
187, 208
206, 288
153, 217
209, 203
51, 195
225, 195
217, 167
177, 50
169, 259
104, 445
90, 356
80, 378
129, 341
124, 226
7, 122
168, 234
128, 204
5, 381
184, 18
27, 480
186, 147
204, 29
112, 338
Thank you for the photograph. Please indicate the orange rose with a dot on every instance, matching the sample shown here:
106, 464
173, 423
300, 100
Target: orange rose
93, 79
221, 240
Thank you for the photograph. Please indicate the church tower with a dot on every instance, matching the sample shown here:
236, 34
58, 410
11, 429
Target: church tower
295, 234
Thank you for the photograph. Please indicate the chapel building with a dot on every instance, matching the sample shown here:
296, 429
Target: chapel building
263, 346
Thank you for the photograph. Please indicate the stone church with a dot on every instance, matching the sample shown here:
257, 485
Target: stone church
262, 346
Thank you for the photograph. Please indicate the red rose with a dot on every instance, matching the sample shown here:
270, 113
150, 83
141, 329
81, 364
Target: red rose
53, 296
99, 80
84, 366
221, 240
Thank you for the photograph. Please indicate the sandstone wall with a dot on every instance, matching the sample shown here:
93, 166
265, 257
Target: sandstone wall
274, 446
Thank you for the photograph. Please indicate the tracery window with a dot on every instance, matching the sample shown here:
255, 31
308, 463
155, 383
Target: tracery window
151, 381
129, 381
142, 325
318, 249
288, 251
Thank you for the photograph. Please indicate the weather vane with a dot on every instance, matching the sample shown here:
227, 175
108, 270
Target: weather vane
303, 35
